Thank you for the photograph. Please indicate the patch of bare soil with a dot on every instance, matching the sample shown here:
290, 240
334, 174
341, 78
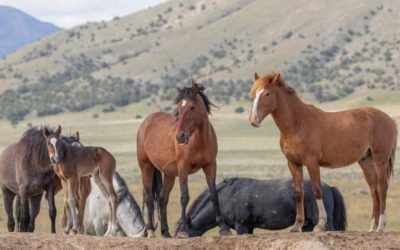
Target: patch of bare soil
333, 240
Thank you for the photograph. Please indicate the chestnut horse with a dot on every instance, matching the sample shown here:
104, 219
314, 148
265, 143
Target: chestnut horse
178, 145
25, 172
82, 192
75, 162
312, 137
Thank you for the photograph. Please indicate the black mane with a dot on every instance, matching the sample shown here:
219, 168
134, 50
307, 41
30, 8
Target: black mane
34, 146
189, 92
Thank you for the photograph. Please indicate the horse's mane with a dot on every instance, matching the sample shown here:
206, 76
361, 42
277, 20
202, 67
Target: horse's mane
188, 93
123, 192
264, 80
34, 145
35, 148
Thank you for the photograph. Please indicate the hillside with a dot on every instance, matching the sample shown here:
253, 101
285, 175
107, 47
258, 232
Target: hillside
19, 29
326, 49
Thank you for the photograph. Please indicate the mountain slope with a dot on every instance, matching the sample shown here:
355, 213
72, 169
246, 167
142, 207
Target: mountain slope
18, 29
326, 49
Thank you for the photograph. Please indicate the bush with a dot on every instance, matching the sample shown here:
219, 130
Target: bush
239, 110
109, 109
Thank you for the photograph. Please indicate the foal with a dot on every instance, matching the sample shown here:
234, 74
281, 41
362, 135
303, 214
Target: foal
314, 138
72, 163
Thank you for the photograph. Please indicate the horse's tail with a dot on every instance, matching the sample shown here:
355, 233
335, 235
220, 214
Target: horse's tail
339, 211
390, 165
156, 189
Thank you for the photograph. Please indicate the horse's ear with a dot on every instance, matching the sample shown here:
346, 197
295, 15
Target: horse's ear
58, 131
46, 132
77, 137
178, 89
256, 77
195, 88
277, 78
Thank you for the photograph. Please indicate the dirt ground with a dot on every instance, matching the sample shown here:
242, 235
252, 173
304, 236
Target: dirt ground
335, 240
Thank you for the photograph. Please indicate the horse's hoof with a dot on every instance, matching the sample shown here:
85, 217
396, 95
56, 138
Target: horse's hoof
225, 232
379, 230
73, 232
182, 235
166, 235
318, 228
295, 229
150, 234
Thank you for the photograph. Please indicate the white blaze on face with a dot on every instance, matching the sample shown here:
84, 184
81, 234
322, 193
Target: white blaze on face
256, 100
53, 142
184, 103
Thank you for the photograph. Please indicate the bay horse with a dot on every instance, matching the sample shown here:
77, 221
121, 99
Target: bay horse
312, 137
25, 173
178, 145
247, 204
75, 162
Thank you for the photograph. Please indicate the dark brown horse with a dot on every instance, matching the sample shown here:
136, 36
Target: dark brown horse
314, 138
25, 172
72, 163
178, 145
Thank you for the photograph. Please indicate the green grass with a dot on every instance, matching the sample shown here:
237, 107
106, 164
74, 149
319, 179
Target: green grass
243, 151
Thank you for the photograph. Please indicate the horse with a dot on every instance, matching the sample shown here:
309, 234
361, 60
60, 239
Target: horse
312, 137
75, 162
178, 145
25, 173
129, 217
247, 204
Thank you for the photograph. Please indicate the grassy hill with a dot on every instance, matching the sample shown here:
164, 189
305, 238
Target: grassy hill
326, 49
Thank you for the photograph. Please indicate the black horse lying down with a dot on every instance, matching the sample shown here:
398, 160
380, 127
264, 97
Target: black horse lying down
247, 204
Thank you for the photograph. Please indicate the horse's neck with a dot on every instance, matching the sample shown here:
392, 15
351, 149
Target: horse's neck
204, 132
288, 112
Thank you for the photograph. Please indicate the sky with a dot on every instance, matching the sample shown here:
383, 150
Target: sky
69, 13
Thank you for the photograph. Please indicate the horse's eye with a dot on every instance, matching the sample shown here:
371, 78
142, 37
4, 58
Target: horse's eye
268, 94
192, 108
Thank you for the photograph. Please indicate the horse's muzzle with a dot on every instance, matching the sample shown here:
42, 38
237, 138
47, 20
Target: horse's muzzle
182, 138
53, 161
255, 121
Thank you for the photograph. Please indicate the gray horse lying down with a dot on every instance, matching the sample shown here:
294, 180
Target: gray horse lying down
129, 217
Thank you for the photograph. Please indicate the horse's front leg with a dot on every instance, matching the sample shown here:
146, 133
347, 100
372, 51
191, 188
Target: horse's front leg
52, 205
34, 210
183, 181
24, 212
72, 181
314, 173
210, 172
297, 174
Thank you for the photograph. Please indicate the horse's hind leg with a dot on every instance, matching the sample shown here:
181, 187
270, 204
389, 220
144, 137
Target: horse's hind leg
52, 206
99, 182
368, 168
147, 170
8, 198
34, 210
72, 203
107, 179
382, 177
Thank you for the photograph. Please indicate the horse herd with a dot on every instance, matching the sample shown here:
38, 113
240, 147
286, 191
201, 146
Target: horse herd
97, 200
